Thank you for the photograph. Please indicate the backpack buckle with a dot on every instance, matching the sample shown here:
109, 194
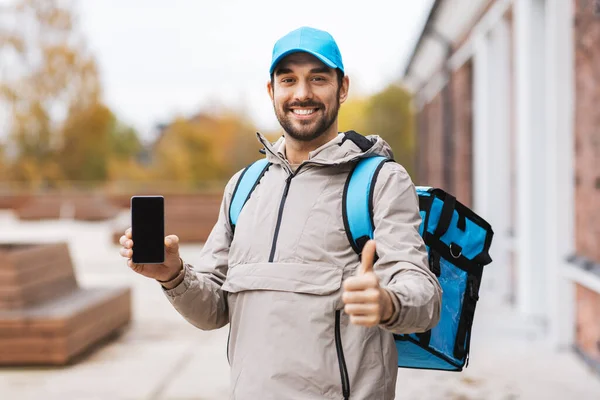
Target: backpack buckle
455, 248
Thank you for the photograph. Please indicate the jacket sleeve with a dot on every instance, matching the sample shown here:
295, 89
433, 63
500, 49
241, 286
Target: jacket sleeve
402, 264
199, 297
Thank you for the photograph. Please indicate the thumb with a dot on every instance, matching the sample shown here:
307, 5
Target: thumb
172, 244
367, 257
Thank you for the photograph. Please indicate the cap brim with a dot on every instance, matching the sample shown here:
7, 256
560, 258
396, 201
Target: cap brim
323, 59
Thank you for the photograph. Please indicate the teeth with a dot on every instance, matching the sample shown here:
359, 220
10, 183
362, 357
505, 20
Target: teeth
304, 112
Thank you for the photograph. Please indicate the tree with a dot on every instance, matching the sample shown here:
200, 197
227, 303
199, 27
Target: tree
186, 153
86, 144
3, 173
124, 141
50, 80
205, 148
389, 115
125, 150
353, 115
241, 147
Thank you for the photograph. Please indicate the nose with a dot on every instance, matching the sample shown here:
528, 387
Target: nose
303, 91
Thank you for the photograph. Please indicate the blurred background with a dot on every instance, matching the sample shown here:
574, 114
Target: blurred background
491, 100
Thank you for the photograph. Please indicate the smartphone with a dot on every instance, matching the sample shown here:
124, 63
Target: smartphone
148, 229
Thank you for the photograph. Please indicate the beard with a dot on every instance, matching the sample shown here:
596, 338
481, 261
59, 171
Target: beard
306, 131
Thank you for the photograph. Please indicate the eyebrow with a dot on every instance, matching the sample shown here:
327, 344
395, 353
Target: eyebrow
283, 71
317, 70
320, 70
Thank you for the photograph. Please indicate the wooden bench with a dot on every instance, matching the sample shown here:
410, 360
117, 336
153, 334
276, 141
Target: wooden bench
11, 201
45, 317
79, 206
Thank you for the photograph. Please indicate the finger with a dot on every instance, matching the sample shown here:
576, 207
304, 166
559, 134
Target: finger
154, 271
361, 282
128, 233
127, 253
139, 268
364, 320
133, 266
365, 309
172, 244
363, 296
126, 243
367, 258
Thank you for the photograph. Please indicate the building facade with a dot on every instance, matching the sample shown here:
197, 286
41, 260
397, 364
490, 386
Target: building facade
507, 94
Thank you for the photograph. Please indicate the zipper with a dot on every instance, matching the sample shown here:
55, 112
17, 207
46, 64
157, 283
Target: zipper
228, 340
288, 181
285, 163
280, 215
338, 335
341, 359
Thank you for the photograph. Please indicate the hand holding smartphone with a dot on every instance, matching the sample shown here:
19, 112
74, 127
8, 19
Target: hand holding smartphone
148, 229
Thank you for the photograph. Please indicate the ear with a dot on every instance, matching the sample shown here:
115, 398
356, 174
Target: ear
344, 89
270, 90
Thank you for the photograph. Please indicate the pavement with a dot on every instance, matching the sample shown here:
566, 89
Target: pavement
161, 356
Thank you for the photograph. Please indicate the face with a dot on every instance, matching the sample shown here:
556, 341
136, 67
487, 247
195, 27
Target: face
306, 96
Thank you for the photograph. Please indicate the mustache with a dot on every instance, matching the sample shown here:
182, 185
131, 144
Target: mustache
305, 104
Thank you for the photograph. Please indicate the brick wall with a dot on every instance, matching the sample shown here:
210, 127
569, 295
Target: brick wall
587, 130
587, 169
431, 151
588, 323
462, 91
422, 148
431, 156
431, 139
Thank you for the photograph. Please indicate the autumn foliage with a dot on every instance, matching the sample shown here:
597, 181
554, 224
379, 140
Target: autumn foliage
388, 114
60, 133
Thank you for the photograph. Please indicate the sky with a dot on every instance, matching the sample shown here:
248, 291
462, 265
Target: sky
162, 58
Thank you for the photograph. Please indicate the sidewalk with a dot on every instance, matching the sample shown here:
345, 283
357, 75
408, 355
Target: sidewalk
161, 356
509, 360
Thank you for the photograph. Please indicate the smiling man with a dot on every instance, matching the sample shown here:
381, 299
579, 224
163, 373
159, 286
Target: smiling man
308, 116
309, 318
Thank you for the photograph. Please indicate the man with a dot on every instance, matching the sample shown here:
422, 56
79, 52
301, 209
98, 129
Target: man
308, 319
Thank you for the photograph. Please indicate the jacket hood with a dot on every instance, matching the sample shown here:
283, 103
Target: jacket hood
346, 147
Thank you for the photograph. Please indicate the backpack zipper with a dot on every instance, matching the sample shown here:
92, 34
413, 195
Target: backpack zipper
341, 359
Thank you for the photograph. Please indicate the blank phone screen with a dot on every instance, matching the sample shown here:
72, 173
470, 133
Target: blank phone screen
148, 229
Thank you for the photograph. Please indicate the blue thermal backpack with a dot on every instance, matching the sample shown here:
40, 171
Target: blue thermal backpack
457, 241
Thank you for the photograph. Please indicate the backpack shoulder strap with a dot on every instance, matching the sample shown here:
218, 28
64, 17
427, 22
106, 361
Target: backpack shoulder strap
357, 203
246, 184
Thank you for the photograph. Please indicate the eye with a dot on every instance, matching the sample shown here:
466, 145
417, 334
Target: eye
287, 80
318, 78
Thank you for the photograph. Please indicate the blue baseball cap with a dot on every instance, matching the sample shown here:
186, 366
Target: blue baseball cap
309, 40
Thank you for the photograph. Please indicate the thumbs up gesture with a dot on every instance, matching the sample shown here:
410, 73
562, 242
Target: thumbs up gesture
367, 303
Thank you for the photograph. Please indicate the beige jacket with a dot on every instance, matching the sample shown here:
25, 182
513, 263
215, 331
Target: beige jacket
278, 280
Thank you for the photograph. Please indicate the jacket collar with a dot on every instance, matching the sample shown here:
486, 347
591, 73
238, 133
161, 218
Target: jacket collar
346, 147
